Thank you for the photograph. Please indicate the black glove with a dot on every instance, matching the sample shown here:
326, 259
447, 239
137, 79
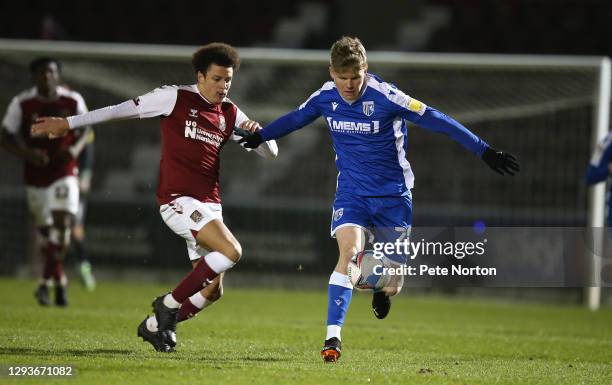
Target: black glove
251, 141
501, 162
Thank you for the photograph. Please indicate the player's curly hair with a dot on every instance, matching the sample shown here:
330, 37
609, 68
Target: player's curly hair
348, 52
221, 54
37, 63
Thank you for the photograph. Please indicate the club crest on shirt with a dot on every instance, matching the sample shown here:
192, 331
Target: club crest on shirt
368, 108
222, 122
338, 214
193, 112
196, 216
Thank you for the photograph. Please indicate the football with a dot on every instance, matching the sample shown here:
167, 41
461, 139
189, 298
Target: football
362, 269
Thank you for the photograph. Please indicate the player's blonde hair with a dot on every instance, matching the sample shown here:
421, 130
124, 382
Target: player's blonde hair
348, 53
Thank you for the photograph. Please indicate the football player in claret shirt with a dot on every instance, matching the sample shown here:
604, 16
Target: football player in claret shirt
196, 122
50, 167
366, 118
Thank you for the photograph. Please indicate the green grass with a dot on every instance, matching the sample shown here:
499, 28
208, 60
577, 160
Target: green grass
273, 337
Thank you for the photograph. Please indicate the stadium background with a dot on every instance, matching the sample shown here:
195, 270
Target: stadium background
280, 209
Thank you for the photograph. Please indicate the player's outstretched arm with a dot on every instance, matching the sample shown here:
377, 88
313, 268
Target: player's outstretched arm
501, 162
158, 102
282, 126
286, 124
436, 121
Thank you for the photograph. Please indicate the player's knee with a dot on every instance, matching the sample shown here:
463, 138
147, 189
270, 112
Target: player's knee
232, 250
347, 253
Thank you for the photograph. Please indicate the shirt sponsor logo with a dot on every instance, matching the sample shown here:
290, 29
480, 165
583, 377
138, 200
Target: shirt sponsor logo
196, 216
368, 108
372, 127
194, 132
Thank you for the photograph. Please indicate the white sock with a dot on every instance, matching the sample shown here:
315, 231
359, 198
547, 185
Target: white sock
170, 302
333, 331
218, 262
152, 324
340, 279
199, 301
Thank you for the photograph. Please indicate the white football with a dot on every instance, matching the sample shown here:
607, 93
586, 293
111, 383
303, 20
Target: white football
366, 272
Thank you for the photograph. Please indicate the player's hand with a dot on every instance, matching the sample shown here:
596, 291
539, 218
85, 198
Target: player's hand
250, 126
246, 128
51, 127
501, 162
251, 141
37, 157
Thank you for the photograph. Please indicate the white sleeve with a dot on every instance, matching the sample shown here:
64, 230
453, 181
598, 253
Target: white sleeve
12, 119
81, 106
158, 102
267, 149
125, 110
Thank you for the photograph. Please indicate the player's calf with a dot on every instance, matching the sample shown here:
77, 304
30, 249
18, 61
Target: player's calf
200, 300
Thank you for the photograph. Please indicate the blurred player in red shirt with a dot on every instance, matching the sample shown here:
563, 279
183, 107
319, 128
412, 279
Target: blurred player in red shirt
50, 167
196, 121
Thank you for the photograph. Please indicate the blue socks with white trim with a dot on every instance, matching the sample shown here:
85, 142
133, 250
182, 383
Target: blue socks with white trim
340, 292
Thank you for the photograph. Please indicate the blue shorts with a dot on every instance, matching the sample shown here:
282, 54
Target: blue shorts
386, 219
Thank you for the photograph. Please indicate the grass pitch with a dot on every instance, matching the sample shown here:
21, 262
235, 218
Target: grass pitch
273, 337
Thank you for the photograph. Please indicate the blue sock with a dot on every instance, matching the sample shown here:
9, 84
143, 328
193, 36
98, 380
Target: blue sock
339, 293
